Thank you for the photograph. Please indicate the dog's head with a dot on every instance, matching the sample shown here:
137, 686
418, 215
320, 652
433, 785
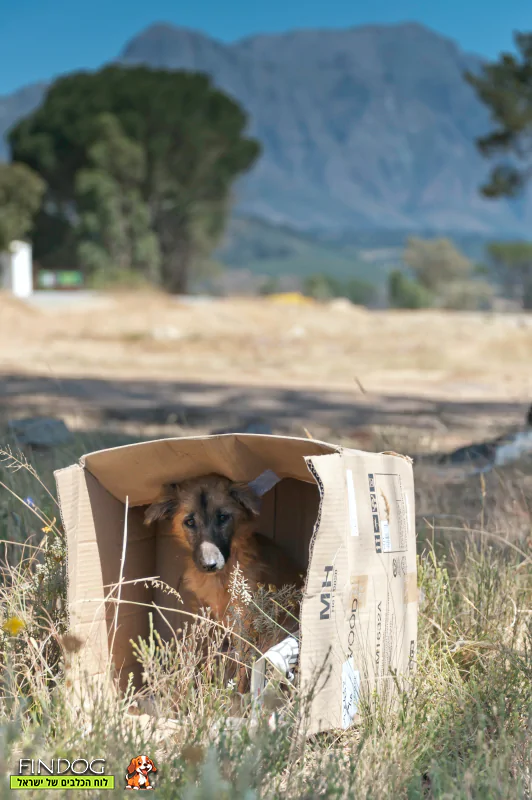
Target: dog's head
206, 513
141, 764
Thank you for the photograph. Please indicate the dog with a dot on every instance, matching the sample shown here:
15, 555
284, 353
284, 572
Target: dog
138, 772
214, 519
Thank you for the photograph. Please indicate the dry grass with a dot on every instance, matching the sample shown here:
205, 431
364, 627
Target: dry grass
430, 353
464, 729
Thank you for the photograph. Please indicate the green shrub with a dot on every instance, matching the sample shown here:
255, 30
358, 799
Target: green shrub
403, 292
324, 287
468, 295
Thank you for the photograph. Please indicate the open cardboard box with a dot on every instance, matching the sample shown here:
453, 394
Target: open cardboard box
346, 517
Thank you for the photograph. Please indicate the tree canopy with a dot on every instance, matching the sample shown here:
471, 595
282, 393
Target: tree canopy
21, 192
114, 223
435, 262
505, 87
185, 146
443, 277
512, 264
403, 292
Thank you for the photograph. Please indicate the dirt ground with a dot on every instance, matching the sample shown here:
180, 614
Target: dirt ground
161, 364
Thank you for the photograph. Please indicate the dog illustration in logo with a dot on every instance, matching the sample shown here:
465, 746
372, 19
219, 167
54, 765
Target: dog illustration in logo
137, 775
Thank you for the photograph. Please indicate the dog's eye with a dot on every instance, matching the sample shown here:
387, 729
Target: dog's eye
223, 517
189, 522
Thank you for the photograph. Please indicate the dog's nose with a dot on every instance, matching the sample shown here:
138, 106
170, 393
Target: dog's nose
211, 558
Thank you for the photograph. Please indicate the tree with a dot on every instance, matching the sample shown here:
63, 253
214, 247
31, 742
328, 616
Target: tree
324, 287
360, 292
467, 295
21, 192
512, 265
505, 87
115, 236
435, 263
193, 144
403, 292
319, 286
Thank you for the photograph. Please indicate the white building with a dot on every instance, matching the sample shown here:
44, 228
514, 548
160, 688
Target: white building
16, 270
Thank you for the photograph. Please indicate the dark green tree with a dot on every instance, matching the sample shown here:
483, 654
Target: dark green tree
505, 87
21, 192
114, 230
511, 263
193, 142
321, 286
403, 292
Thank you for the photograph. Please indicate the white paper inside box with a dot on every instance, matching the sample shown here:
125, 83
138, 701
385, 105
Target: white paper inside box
345, 517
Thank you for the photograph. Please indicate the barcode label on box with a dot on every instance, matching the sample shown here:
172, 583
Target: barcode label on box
389, 511
385, 537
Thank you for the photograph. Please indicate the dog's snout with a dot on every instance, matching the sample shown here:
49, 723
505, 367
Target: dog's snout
210, 557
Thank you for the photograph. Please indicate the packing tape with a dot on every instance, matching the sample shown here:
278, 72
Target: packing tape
265, 481
411, 590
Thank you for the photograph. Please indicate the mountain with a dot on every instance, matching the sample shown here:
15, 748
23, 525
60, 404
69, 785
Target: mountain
15, 106
274, 250
368, 127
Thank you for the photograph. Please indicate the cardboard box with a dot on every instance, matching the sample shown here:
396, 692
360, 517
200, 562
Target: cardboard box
345, 516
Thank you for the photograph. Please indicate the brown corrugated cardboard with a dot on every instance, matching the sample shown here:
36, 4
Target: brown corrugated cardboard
346, 518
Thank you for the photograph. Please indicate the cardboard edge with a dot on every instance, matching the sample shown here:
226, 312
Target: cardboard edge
317, 723
75, 471
319, 483
248, 436
314, 725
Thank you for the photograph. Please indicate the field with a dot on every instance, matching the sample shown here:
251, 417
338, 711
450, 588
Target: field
122, 368
334, 366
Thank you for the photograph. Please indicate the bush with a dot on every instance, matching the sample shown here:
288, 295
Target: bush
270, 286
467, 296
435, 262
325, 287
404, 292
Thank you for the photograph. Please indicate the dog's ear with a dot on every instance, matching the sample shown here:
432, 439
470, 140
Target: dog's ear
132, 766
165, 507
244, 494
153, 767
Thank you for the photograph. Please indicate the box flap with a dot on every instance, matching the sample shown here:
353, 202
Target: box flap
139, 470
359, 612
94, 523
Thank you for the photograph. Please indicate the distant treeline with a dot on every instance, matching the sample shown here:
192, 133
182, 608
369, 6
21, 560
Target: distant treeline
126, 174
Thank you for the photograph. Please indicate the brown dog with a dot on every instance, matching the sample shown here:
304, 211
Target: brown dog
215, 518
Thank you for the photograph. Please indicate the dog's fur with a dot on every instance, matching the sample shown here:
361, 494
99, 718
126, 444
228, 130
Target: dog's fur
215, 519
138, 772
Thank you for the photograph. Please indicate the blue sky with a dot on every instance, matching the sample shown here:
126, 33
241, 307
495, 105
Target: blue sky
43, 38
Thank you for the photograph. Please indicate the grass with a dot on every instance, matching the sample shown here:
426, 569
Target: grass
260, 341
462, 731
